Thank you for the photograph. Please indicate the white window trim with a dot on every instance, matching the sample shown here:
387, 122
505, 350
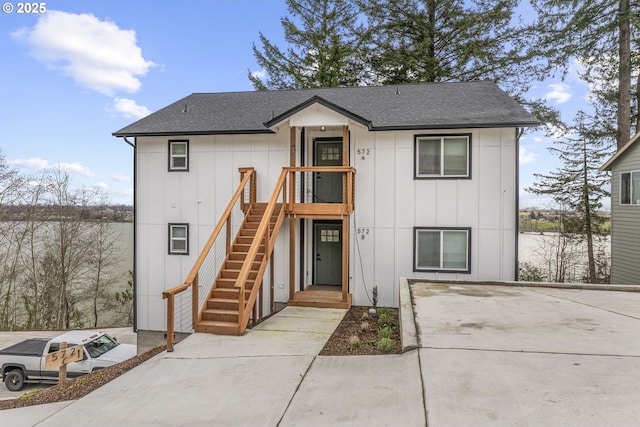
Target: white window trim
172, 239
442, 137
172, 167
441, 269
631, 201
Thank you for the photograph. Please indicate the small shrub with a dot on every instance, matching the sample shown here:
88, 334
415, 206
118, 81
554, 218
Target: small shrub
375, 297
364, 326
385, 332
354, 342
386, 345
27, 395
384, 318
531, 273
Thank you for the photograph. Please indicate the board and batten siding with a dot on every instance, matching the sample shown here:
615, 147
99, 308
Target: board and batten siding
197, 197
625, 224
390, 202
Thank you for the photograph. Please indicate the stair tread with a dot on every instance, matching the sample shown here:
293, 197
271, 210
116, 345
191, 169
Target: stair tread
217, 323
220, 311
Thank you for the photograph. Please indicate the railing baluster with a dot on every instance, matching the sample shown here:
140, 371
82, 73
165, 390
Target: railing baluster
247, 175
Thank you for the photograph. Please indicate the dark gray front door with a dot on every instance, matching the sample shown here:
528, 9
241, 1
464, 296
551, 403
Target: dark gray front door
328, 252
327, 186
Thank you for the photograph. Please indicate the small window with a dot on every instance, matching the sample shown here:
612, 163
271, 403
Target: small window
179, 239
442, 249
630, 188
178, 155
442, 156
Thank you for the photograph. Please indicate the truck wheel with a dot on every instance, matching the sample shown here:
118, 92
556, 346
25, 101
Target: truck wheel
14, 380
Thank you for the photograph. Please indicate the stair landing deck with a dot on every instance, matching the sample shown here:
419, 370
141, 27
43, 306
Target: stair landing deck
320, 298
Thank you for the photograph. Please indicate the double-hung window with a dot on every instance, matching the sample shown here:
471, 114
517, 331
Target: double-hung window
179, 239
442, 156
630, 188
442, 249
179, 155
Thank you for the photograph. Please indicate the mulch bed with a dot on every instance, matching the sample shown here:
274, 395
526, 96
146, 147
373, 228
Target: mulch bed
80, 386
358, 322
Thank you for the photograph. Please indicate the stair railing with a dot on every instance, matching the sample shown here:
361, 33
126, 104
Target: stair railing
239, 199
264, 236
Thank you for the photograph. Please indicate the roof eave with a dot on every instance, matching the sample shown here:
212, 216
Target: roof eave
607, 166
199, 132
455, 126
317, 100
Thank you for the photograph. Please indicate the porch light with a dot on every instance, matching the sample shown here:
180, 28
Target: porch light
323, 128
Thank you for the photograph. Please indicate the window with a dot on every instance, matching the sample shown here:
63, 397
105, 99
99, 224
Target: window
178, 155
630, 188
442, 249
179, 239
442, 156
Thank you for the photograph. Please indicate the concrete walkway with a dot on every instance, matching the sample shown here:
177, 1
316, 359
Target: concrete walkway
481, 355
272, 376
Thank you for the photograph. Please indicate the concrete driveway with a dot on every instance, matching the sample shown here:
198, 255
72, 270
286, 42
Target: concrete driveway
478, 355
528, 356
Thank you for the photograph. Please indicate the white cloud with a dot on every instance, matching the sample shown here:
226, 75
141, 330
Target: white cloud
128, 108
103, 186
97, 54
560, 92
31, 163
121, 178
527, 157
260, 74
74, 168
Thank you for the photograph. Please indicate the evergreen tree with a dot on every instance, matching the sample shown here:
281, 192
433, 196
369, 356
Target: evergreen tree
579, 187
323, 52
601, 35
442, 40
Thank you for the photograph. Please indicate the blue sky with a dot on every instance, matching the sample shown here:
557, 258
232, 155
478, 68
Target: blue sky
84, 69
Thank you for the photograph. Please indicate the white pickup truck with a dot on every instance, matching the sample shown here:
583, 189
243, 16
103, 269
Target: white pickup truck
25, 362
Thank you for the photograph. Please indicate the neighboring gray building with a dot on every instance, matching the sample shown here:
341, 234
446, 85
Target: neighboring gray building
625, 213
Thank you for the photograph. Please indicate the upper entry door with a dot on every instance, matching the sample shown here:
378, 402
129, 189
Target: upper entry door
327, 186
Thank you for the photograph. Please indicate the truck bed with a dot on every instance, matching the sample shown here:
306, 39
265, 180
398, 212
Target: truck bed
30, 347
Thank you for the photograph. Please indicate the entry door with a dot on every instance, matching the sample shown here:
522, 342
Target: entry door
328, 253
327, 186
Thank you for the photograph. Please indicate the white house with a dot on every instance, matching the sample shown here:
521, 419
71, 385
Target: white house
362, 185
625, 213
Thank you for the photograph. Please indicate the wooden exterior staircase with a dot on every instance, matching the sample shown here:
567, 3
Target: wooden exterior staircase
235, 295
221, 312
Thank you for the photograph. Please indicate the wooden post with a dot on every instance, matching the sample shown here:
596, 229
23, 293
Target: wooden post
62, 373
345, 257
272, 304
194, 301
292, 146
292, 257
170, 321
292, 220
228, 231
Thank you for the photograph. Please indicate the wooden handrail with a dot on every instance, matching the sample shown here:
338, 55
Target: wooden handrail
248, 175
261, 237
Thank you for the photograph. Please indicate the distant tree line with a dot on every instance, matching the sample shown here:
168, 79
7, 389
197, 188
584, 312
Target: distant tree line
57, 262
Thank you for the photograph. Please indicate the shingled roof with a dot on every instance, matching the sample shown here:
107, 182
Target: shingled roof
413, 106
